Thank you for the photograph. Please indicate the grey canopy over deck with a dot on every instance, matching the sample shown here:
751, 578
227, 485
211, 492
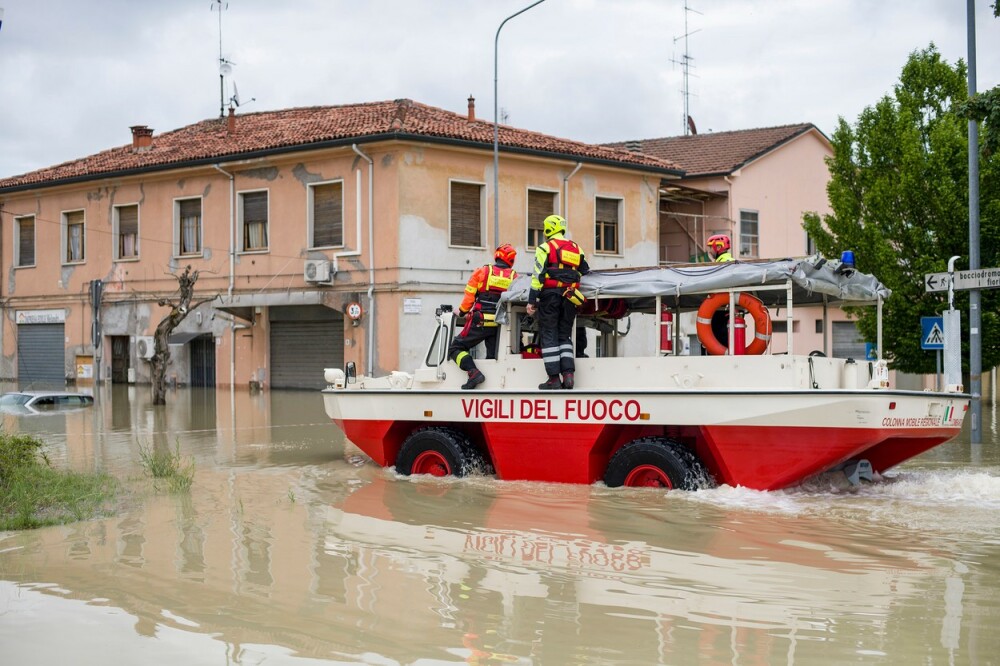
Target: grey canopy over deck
813, 280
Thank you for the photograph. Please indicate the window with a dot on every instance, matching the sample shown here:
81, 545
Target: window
24, 241
126, 231
749, 234
810, 246
253, 215
607, 225
781, 326
326, 214
73, 237
466, 214
819, 325
187, 227
540, 206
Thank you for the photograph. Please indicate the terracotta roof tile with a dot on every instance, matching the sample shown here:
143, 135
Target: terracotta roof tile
299, 128
717, 152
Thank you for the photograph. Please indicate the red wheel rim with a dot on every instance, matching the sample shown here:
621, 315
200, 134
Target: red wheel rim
648, 476
431, 462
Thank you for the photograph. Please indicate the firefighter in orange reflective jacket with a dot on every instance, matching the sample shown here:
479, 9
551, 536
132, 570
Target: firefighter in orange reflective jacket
555, 296
479, 307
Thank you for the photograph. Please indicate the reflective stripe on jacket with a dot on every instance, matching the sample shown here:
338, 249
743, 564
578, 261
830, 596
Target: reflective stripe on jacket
484, 288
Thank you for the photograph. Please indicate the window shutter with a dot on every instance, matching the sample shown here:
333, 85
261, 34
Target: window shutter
466, 215
607, 225
26, 242
128, 220
255, 221
255, 207
540, 206
189, 212
328, 215
190, 208
607, 210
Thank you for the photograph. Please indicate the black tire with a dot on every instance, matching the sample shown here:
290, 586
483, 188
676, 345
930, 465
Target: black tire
440, 452
656, 462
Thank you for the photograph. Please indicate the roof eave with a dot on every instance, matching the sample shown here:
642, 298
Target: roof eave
337, 143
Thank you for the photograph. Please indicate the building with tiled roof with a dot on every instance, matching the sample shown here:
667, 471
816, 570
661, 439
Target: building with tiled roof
753, 185
325, 234
271, 133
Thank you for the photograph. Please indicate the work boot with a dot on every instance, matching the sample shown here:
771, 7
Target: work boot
567, 380
475, 379
553, 384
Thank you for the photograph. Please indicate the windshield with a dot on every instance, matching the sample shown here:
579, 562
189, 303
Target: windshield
14, 399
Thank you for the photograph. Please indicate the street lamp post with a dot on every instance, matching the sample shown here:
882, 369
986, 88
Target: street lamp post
496, 130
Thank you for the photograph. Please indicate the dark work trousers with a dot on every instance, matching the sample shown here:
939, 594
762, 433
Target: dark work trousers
556, 316
469, 338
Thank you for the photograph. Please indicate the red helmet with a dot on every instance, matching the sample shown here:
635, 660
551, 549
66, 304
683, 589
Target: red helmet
719, 243
506, 253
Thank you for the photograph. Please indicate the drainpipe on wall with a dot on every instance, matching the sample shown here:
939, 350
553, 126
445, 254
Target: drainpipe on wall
572, 173
232, 277
729, 206
371, 259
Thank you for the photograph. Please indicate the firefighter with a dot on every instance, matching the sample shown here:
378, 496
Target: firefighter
719, 248
479, 308
555, 296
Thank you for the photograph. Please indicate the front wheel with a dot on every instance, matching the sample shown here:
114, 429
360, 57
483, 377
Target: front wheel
655, 462
439, 452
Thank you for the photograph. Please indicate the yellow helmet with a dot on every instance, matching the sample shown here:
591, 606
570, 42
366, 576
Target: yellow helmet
554, 224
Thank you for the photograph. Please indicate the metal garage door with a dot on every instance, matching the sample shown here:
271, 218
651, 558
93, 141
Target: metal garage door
305, 340
41, 355
847, 341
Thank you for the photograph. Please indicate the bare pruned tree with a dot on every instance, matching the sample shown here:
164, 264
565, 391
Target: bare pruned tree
179, 309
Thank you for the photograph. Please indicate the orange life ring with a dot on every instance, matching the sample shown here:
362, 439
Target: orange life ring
752, 304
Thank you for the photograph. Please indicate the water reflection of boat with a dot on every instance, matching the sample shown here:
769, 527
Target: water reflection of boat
361, 562
721, 569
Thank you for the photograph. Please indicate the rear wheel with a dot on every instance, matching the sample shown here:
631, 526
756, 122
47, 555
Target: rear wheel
656, 462
439, 452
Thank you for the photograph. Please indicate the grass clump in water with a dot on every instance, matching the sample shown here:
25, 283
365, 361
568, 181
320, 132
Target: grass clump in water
34, 494
165, 465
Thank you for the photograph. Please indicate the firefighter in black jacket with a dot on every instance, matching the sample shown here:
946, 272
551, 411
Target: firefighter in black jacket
555, 296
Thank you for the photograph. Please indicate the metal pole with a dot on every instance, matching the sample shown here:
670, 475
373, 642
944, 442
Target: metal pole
496, 129
975, 314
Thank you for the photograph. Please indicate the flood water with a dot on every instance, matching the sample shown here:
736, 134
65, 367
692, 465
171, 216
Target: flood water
292, 548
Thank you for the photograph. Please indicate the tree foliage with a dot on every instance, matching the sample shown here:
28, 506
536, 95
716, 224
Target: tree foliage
899, 195
984, 107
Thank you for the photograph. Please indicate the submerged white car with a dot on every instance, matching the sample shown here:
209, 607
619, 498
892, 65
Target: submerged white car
43, 401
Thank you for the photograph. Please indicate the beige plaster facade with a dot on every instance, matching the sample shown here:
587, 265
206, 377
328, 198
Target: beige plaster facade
396, 261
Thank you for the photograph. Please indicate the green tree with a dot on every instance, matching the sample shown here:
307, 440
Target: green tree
985, 108
899, 195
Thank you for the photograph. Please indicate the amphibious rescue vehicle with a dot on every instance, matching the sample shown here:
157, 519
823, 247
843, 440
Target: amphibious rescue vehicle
643, 413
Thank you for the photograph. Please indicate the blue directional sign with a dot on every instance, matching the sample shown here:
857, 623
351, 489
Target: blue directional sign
871, 351
932, 332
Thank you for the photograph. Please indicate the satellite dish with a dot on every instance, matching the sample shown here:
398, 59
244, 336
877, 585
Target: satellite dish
225, 67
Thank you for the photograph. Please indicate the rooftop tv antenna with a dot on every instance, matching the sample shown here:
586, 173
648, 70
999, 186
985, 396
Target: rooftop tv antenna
225, 67
685, 63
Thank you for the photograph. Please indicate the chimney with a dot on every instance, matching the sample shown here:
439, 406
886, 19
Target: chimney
472, 108
142, 138
633, 146
231, 122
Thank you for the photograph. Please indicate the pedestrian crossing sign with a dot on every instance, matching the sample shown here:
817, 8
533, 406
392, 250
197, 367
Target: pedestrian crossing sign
932, 332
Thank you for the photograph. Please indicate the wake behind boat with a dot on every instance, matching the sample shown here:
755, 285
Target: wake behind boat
760, 420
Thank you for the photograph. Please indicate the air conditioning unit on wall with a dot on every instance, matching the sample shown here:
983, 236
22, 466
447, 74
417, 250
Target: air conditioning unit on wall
145, 346
317, 270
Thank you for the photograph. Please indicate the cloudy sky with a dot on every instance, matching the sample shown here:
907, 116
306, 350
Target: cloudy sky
75, 74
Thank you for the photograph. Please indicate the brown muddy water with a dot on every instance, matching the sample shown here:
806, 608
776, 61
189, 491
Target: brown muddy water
292, 548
